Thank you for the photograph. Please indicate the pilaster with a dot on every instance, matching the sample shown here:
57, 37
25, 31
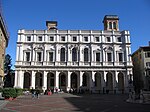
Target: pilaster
45, 81
33, 79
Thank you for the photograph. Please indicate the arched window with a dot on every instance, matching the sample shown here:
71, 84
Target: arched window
110, 25
74, 54
62, 54
86, 55
63, 80
114, 25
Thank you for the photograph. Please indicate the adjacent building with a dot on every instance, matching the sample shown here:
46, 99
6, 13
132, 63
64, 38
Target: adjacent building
92, 60
141, 71
4, 37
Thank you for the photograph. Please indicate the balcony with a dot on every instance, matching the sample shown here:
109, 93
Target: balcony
27, 63
50, 63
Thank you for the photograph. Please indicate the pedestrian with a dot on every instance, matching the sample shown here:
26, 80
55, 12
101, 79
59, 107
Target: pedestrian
33, 92
37, 93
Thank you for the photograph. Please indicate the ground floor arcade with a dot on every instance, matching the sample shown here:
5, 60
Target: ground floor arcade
95, 81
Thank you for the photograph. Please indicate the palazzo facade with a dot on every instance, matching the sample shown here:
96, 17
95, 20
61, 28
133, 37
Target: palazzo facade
94, 60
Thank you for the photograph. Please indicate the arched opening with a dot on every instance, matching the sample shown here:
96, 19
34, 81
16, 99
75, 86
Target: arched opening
121, 82
27, 80
62, 81
62, 54
84, 80
50, 80
109, 81
110, 25
86, 55
74, 81
38, 80
74, 54
114, 25
98, 81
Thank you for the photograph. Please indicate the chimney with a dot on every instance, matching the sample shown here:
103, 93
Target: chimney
51, 25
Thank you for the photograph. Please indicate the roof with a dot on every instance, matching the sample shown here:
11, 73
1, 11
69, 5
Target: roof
111, 17
144, 48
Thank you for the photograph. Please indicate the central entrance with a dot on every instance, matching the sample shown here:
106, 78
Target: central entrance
74, 81
50, 80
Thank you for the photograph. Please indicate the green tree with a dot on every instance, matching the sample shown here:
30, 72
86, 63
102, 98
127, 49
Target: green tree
7, 64
8, 71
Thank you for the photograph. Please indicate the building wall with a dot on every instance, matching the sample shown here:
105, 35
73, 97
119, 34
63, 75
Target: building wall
89, 60
103, 46
141, 71
3, 44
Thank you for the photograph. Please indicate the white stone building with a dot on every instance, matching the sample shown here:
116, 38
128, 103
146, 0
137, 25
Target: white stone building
94, 60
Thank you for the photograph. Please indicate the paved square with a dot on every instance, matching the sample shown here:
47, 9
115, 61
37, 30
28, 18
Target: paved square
69, 103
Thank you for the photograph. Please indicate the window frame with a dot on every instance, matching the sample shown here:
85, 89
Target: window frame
63, 38
28, 38
51, 38
86, 39
40, 39
109, 59
41, 59
74, 37
25, 56
49, 59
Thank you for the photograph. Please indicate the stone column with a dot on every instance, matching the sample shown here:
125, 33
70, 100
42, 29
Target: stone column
104, 81
21, 53
16, 79
81, 79
116, 81
45, 54
45, 81
18, 53
33, 79
69, 80
21, 79
57, 79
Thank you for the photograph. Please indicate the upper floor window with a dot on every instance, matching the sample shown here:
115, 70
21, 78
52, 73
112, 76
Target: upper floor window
109, 57
51, 38
97, 39
118, 39
114, 25
86, 55
27, 56
63, 38
97, 57
74, 38
74, 54
147, 55
86, 39
110, 25
39, 56
50, 56
120, 56
108, 39
62, 54
40, 38
28, 38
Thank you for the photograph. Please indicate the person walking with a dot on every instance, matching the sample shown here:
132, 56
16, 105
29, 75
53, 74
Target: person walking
37, 93
33, 92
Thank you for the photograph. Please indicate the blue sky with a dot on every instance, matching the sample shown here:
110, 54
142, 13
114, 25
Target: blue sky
77, 14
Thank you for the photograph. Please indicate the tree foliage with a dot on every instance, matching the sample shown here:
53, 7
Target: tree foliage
8, 71
7, 63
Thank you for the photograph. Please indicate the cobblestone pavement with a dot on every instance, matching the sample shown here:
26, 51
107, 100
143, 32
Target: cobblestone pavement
69, 103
